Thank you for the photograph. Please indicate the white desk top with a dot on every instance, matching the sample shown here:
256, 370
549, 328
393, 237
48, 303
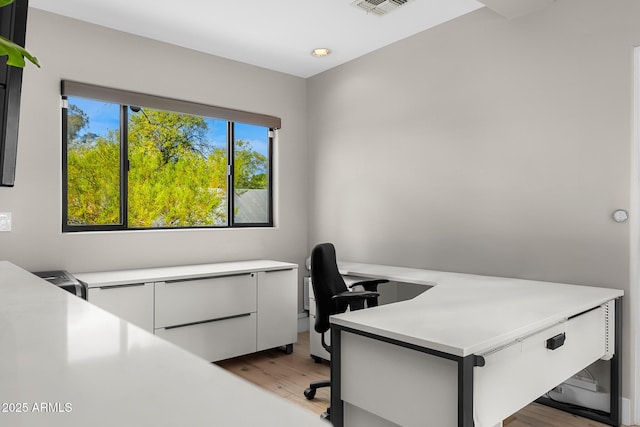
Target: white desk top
466, 314
389, 272
159, 274
58, 349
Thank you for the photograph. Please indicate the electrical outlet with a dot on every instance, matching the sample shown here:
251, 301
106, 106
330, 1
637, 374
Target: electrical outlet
5, 221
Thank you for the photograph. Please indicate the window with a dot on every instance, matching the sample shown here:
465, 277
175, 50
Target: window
133, 161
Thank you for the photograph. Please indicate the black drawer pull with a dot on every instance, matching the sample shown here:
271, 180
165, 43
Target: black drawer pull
194, 279
556, 342
278, 271
128, 285
208, 321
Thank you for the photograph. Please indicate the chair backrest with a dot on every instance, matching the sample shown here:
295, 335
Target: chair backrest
327, 282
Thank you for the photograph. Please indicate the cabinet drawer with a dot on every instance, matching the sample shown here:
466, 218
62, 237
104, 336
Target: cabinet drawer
132, 302
519, 373
215, 340
183, 302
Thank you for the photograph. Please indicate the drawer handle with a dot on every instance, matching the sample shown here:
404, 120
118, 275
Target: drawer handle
208, 321
193, 279
556, 342
128, 285
278, 271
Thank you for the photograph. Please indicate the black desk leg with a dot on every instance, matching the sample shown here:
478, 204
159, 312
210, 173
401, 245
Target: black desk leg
337, 408
465, 391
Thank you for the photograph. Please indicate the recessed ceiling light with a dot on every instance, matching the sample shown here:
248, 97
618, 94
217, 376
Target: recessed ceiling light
321, 51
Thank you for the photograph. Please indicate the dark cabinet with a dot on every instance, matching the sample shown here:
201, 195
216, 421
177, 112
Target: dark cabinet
13, 25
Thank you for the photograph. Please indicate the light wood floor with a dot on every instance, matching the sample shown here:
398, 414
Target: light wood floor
288, 375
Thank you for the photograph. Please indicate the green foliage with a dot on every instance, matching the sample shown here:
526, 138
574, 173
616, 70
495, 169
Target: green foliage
171, 182
77, 120
94, 184
15, 53
175, 178
250, 167
172, 134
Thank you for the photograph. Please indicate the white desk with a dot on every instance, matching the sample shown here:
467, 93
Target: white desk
90, 368
469, 351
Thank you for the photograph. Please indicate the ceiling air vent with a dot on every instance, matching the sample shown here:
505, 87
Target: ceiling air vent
379, 7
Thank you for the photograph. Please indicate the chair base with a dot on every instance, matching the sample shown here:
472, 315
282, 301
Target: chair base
326, 415
310, 392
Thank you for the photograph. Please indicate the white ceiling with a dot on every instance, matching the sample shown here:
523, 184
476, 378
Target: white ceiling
278, 34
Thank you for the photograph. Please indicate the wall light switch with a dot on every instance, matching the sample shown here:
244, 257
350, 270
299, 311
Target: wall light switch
5, 221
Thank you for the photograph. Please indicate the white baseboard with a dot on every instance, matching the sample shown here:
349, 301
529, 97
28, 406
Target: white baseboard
303, 322
625, 411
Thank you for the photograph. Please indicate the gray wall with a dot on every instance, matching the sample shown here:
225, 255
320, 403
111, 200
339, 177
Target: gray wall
486, 146
70, 49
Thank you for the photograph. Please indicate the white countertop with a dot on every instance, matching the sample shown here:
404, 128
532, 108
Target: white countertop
159, 274
465, 314
91, 368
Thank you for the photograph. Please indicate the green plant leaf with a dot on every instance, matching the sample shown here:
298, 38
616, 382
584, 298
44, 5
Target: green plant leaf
16, 54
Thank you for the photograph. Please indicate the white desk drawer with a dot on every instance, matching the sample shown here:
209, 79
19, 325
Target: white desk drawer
215, 340
183, 302
519, 373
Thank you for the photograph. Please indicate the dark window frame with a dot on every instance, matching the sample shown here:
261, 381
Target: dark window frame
230, 116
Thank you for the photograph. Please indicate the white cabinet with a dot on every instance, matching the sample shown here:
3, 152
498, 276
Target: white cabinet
214, 318
277, 316
216, 311
132, 302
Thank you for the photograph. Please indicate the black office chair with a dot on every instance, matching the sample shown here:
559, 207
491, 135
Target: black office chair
333, 297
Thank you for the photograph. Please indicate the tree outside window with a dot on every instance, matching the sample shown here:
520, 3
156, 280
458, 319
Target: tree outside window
163, 169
